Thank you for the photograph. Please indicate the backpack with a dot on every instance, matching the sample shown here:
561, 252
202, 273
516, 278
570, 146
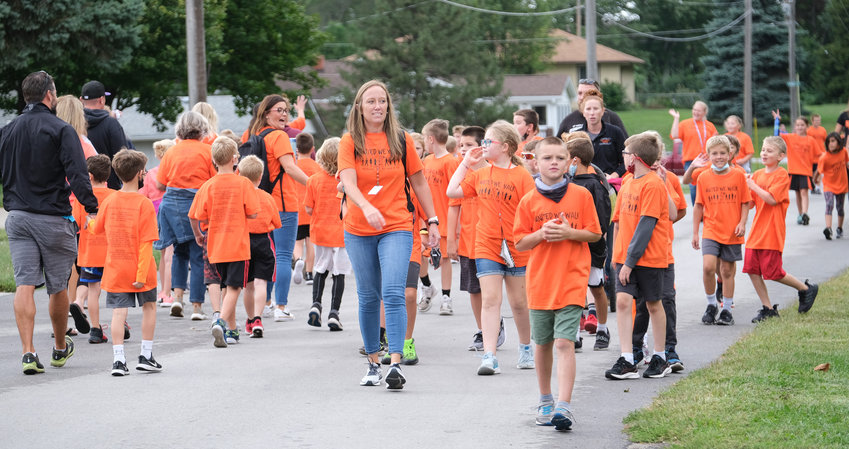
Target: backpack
256, 146
410, 207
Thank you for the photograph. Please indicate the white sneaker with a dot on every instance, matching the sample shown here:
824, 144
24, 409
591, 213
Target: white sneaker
298, 272
425, 299
526, 357
177, 309
198, 316
268, 311
283, 314
445, 308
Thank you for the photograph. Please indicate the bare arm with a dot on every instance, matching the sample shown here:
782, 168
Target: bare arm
763, 194
676, 117
698, 214
419, 184
453, 230
530, 241
352, 191
287, 161
473, 157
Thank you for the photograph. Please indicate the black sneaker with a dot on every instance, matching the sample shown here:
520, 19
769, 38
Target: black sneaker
710, 315
314, 318
602, 340
807, 297
120, 369
31, 364
622, 370
477, 342
61, 357
658, 367
806, 220
333, 322
148, 364
839, 233
766, 313
725, 318
675, 363
395, 379
579, 344
827, 233
96, 336
80, 320
719, 291
126, 331
638, 356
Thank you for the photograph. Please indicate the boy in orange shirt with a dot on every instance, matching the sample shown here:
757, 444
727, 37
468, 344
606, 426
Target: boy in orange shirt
555, 222
261, 266
833, 165
129, 221
769, 187
640, 252
225, 203
322, 205
722, 200
91, 257
439, 166
303, 269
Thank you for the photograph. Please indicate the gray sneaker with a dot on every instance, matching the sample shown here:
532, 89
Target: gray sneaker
373, 376
602, 340
526, 357
477, 342
544, 411
562, 419
501, 335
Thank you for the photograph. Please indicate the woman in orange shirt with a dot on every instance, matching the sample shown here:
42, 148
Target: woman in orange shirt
273, 113
375, 164
183, 169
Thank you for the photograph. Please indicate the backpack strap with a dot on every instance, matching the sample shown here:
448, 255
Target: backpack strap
279, 179
403, 139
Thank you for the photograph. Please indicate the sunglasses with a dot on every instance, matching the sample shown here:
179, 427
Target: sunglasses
586, 81
488, 142
527, 156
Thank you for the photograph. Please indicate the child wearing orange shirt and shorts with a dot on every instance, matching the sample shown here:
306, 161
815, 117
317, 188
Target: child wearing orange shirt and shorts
304, 253
128, 220
832, 165
801, 149
555, 222
225, 203
770, 195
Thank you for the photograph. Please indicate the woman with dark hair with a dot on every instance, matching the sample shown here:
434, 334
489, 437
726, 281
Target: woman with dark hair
270, 121
376, 160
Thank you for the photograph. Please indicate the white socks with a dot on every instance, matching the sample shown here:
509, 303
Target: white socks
147, 349
711, 299
118, 353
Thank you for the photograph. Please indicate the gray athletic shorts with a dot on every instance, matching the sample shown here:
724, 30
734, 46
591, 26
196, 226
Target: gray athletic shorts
728, 253
123, 300
413, 275
43, 249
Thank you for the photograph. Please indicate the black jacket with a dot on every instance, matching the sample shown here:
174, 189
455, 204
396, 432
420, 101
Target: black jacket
601, 197
107, 136
608, 146
38, 151
575, 121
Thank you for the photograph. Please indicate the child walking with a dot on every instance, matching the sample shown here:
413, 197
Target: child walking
129, 277
832, 165
555, 222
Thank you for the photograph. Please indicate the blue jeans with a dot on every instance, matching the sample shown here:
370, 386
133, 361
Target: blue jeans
692, 186
184, 254
380, 266
284, 244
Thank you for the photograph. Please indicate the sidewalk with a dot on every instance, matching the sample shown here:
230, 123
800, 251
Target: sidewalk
298, 387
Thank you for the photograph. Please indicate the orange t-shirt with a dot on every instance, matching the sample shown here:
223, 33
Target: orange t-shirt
819, 134
468, 224
268, 218
325, 224
769, 227
833, 168
694, 177
418, 219
694, 136
746, 146
187, 165
549, 286
647, 196
277, 145
129, 221
438, 172
92, 247
722, 197
225, 201
498, 191
522, 144
673, 187
310, 167
209, 139
800, 151
373, 166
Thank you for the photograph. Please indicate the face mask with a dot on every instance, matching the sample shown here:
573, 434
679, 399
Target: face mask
141, 182
719, 169
630, 168
525, 137
572, 170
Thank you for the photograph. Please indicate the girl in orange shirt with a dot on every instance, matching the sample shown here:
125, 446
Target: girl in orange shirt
498, 187
833, 164
800, 152
733, 126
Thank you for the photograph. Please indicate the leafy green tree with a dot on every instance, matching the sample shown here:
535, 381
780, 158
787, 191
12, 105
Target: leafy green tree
831, 56
724, 64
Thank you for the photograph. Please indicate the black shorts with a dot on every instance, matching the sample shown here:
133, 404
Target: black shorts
261, 265
413, 275
799, 182
233, 274
644, 282
303, 232
469, 276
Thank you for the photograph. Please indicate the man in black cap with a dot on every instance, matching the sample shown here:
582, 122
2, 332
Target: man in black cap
105, 133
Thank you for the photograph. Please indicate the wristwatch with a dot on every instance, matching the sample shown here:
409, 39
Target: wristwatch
433, 220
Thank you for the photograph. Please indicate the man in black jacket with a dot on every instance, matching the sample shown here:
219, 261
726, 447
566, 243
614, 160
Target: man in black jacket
38, 153
575, 121
104, 131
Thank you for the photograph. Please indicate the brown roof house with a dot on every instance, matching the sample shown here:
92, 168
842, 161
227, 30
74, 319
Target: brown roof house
549, 94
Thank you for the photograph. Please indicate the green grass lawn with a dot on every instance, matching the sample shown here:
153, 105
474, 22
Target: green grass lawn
763, 392
7, 276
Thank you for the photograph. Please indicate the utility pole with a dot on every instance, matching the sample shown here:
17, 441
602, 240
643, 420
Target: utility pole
196, 51
747, 70
578, 19
791, 49
592, 63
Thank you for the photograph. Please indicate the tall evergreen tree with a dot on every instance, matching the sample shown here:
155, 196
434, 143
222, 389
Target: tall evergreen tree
828, 83
724, 64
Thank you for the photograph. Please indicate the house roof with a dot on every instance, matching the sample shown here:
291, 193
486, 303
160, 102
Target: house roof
543, 84
572, 49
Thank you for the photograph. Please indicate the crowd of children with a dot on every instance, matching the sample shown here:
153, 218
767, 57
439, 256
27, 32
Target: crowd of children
518, 212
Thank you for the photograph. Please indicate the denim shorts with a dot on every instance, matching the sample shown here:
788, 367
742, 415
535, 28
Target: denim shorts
488, 267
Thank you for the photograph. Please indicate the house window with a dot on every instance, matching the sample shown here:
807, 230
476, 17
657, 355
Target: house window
540, 110
582, 71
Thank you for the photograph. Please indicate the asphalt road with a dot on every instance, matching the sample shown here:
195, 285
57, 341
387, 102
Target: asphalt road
299, 386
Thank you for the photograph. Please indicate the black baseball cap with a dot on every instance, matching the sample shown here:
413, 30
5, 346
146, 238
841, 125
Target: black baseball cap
93, 89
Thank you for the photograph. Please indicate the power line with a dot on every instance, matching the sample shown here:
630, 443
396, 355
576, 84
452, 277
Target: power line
383, 13
508, 13
686, 39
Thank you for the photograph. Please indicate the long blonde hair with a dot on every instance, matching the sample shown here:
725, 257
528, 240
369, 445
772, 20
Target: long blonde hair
70, 109
391, 127
208, 112
506, 133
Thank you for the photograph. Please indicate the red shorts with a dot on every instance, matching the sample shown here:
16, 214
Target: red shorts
764, 262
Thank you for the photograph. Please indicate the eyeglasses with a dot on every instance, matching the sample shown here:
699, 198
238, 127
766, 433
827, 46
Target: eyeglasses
527, 156
281, 110
488, 142
587, 81
627, 152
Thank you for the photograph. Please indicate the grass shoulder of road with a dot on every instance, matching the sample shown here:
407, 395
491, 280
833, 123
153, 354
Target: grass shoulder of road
764, 391
7, 276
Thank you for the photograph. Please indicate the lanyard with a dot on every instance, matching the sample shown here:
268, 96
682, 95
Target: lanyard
702, 141
498, 198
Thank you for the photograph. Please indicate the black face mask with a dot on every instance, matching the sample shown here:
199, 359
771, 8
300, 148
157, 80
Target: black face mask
141, 182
